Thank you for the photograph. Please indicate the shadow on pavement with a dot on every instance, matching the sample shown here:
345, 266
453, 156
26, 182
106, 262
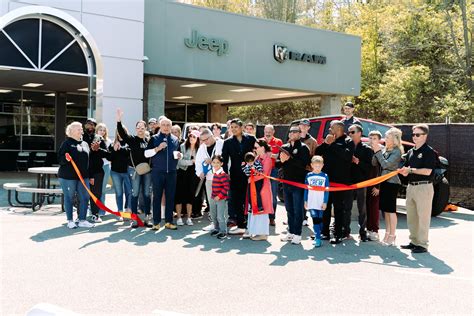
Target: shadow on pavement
349, 251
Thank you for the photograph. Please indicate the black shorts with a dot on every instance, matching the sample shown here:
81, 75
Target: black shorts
388, 197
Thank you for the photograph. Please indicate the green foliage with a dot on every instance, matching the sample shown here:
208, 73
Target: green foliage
416, 56
281, 113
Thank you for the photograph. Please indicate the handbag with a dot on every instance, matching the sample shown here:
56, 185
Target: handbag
141, 168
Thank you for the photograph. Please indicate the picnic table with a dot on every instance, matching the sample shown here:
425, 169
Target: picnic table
44, 192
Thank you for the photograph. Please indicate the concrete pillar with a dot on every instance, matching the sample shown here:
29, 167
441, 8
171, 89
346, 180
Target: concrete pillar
331, 104
154, 103
217, 112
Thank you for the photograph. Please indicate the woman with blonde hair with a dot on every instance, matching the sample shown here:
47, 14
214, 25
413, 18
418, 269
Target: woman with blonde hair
102, 130
69, 180
389, 160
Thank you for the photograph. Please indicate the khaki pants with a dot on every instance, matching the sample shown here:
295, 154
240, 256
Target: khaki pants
418, 204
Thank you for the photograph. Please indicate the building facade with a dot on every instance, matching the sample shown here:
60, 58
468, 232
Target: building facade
66, 60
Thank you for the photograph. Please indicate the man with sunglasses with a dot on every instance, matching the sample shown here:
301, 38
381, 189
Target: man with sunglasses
418, 167
293, 159
360, 168
337, 151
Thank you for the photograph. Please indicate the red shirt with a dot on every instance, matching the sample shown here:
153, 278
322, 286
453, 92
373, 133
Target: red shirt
274, 143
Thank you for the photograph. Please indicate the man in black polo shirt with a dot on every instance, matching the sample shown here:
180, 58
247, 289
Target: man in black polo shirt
350, 119
234, 149
419, 165
337, 151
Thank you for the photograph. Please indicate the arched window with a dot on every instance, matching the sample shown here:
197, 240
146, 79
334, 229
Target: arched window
42, 45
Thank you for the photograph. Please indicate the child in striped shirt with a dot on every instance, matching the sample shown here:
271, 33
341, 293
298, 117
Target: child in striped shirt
218, 202
316, 201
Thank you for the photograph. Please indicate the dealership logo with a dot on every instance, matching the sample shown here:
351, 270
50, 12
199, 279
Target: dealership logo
281, 53
218, 45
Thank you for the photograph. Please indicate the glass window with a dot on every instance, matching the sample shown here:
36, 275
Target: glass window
72, 60
10, 56
10, 122
197, 113
175, 111
38, 121
54, 39
25, 33
76, 108
372, 126
314, 129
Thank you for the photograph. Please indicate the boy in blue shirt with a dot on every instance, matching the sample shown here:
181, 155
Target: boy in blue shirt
316, 201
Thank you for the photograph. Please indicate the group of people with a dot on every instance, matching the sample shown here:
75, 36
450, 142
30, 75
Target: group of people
159, 173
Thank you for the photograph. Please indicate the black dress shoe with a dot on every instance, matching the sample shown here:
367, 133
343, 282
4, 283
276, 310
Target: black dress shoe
419, 249
336, 241
409, 246
325, 237
363, 238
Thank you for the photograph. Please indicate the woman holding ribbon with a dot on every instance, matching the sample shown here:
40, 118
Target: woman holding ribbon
258, 220
389, 160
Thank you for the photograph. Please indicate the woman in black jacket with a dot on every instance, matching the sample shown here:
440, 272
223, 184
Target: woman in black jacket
137, 143
120, 157
69, 180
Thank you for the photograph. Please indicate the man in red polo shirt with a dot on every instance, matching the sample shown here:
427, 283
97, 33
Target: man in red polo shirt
274, 143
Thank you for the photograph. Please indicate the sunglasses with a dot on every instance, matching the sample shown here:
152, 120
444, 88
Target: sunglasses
417, 134
295, 131
352, 132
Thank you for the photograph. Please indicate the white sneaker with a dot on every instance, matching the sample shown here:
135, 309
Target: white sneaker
209, 228
236, 230
189, 222
288, 237
96, 219
85, 224
305, 222
296, 240
179, 222
71, 224
246, 234
373, 236
120, 219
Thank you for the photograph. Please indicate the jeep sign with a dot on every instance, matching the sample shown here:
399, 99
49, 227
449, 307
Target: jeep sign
202, 42
282, 53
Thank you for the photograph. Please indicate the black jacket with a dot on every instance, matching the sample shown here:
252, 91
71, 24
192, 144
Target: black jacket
294, 169
235, 151
96, 163
137, 145
360, 172
119, 159
337, 159
79, 151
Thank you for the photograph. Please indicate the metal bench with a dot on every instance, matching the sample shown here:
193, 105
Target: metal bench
39, 195
12, 187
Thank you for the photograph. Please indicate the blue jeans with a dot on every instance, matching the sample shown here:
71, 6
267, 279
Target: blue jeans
70, 187
274, 185
317, 216
163, 182
136, 180
294, 203
122, 184
106, 169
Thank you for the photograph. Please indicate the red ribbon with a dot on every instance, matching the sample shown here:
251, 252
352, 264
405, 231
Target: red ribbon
97, 201
334, 186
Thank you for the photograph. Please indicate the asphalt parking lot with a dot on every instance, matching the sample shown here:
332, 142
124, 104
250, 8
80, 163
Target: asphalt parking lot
111, 269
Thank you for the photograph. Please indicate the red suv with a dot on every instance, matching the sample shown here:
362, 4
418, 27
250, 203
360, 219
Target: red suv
320, 128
